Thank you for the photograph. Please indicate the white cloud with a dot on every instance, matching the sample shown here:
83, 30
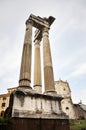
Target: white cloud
79, 95
72, 59
79, 70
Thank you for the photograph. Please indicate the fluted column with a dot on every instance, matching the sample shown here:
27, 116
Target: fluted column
37, 67
25, 72
48, 69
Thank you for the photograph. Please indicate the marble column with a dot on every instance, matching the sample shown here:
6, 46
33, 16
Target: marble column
48, 69
25, 71
37, 67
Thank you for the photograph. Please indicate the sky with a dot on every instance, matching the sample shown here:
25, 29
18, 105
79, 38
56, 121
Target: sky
67, 40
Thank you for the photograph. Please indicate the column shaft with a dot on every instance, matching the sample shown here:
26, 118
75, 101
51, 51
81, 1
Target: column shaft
25, 72
48, 69
37, 67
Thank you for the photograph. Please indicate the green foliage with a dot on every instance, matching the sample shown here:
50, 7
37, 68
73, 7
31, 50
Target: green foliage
3, 121
77, 124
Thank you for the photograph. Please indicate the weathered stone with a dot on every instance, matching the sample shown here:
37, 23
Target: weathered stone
37, 67
34, 105
48, 69
25, 72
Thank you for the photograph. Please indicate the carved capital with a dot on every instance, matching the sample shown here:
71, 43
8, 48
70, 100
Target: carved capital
45, 32
29, 21
37, 42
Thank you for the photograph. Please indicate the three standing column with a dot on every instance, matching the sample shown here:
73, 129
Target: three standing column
25, 72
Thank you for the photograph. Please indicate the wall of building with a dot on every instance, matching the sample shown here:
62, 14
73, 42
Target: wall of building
80, 112
63, 89
4, 101
68, 108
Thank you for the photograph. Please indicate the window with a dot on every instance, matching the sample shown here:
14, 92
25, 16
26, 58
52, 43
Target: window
3, 104
67, 108
4, 98
64, 89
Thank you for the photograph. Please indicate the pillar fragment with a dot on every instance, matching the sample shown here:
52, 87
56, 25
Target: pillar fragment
48, 69
25, 71
37, 67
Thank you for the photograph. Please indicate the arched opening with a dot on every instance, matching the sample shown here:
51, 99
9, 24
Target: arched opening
67, 108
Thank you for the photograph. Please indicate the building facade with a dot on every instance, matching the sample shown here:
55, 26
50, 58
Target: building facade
4, 100
63, 89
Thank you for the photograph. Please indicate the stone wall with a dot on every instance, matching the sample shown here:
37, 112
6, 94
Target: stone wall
80, 113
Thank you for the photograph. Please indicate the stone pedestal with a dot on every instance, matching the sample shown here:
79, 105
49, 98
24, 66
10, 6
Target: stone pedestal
34, 111
29, 104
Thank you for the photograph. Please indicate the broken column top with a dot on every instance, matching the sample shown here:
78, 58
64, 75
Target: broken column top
39, 22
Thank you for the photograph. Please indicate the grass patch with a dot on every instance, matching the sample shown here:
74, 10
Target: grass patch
77, 124
3, 121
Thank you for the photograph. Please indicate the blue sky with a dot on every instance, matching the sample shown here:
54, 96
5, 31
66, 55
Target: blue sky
67, 40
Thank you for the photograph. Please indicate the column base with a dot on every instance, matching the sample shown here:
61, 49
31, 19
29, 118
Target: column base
24, 88
51, 92
38, 88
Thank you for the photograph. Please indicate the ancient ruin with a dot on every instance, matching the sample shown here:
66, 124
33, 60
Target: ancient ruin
30, 109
